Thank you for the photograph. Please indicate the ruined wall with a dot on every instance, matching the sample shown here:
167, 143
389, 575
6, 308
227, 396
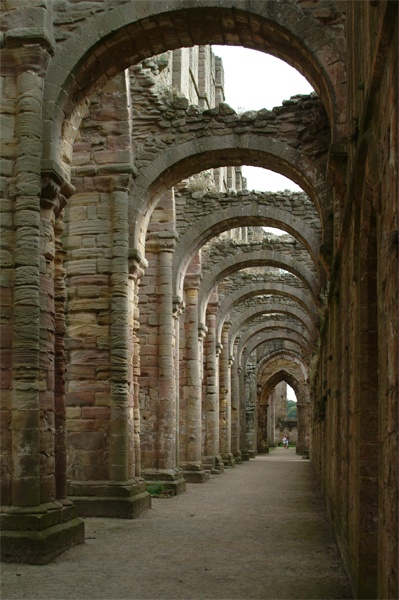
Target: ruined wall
355, 386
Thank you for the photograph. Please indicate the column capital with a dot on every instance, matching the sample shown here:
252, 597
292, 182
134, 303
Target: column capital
212, 308
178, 306
202, 331
192, 281
55, 191
137, 264
163, 241
227, 325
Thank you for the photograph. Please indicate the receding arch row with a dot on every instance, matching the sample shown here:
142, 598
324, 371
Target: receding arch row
241, 260
261, 335
127, 33
283, 374
242, 319
288, 355
182, 161
202, 230
273, 288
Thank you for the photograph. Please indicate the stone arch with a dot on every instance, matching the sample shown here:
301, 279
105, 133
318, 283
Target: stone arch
241, 260
273, 288
130, 32
243, 318
284, 375
186, 159
259, 336
215, 223
287, 354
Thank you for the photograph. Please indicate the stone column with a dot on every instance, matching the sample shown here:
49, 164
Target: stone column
243, 417
302, 446
212, 459
135, 273
251, 413
35, 526
191, 451
60, 294
178, 309
122, 494
235, 405
271, 421
225, 398
167, 470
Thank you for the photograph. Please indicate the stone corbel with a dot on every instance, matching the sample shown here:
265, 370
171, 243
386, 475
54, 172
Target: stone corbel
55, 192
30, 25
227, 325
137, 264
161, 241
178, 306
192, 281
219, 348
202, 331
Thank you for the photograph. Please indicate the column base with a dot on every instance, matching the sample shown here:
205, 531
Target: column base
121, 499
36, 535
194, 473
213, 464
171, 480
228, 459
237, 457
252, 453
245, 455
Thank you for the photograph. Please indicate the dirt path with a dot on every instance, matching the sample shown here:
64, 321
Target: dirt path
258, 531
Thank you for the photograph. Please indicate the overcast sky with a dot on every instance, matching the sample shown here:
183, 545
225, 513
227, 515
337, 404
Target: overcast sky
255, 80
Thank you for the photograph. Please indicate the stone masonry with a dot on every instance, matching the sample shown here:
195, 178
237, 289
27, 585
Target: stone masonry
148, 324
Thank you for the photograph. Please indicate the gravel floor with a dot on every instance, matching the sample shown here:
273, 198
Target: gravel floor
258, 531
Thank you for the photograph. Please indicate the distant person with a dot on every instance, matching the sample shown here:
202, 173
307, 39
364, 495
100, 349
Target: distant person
285, 442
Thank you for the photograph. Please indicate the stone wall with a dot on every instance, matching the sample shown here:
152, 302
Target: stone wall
90, 146
355, 388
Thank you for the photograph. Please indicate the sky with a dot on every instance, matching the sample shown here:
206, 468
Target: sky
255, 80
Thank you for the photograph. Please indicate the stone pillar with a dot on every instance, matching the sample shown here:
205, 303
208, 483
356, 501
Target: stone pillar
135, 274
302, 446
122, 494
243, 416
60, 294
212, 459
271, 421
225, 398
178, 309
235, 405
36, 526
251, 412
191, 401
167, 470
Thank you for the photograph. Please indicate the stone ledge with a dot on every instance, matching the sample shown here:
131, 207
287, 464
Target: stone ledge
40, 547
113, 507
118, 499
228, 459
199, 477
38, 518
170, 479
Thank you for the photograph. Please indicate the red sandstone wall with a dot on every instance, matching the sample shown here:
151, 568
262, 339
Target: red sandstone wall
355, 391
